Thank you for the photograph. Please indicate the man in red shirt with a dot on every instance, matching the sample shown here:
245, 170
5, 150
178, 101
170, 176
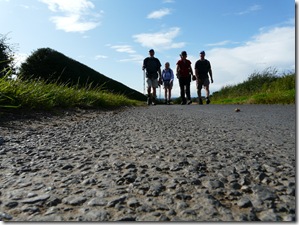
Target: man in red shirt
184, 73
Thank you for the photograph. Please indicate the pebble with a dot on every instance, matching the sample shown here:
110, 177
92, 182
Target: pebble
159, 163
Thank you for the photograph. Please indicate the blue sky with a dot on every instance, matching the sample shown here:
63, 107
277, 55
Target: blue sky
114, 36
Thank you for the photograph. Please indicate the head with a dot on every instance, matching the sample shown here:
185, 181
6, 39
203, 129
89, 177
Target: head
183, 54
167, 65
151, 52
202, 54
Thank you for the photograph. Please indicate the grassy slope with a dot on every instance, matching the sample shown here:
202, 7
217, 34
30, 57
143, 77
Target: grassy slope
39, 95
260, 88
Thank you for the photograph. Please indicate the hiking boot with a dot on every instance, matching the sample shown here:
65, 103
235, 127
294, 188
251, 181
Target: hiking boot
200, 101
149, 101
208, 101
189, 102
153, 101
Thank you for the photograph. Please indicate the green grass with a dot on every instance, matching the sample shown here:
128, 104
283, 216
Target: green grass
38, 95
260, 88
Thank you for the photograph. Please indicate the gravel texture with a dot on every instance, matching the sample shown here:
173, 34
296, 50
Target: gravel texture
157, 163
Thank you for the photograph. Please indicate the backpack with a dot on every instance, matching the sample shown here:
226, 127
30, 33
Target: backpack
166, 75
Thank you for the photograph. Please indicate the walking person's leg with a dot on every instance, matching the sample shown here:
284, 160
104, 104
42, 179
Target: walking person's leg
199, 87
165, 94
182, 88
154, 96
149, 86
199, 95
207, 88
188, 92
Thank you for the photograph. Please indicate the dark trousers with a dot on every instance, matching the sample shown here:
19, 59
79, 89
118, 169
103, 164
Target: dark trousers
185, 83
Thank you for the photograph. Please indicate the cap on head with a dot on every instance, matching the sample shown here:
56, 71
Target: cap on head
151, 50
202, 52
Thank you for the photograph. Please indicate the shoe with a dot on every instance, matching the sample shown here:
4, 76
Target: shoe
200, 101
165, 102
183, 103
149, 101
168, 102
189, 102
153, 101
208, 101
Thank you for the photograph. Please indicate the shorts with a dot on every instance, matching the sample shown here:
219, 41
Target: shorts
167, 84
151, 82
205, 83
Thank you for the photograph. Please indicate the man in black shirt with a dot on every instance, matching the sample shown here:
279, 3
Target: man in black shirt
152, 66
202, 69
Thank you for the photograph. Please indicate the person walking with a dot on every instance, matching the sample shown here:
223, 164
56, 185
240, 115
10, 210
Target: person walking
202, 69
152, 66
167, 78
184, 72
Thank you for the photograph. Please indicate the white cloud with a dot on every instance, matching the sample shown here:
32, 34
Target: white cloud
123, 48
71, 23
159, 14
99, 57
160, 40
273, 48
77, 15
168, 1
134, 58
250, 9
222, 43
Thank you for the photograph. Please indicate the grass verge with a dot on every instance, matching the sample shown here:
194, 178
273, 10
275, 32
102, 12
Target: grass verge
260, 88
37, 95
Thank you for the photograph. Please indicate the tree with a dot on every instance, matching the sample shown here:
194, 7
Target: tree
6, 56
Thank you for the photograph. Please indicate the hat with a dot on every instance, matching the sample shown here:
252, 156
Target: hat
183, 53
202, 52
151, 50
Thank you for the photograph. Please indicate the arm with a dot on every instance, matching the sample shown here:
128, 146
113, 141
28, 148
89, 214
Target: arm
195, 70
160, 74
177, 68
192, 74
211, 75
190, 69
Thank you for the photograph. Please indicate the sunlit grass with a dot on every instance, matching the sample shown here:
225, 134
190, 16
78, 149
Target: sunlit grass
40, 95
260, 88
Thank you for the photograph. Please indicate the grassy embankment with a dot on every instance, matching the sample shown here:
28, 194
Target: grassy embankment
260, 88
37, 95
